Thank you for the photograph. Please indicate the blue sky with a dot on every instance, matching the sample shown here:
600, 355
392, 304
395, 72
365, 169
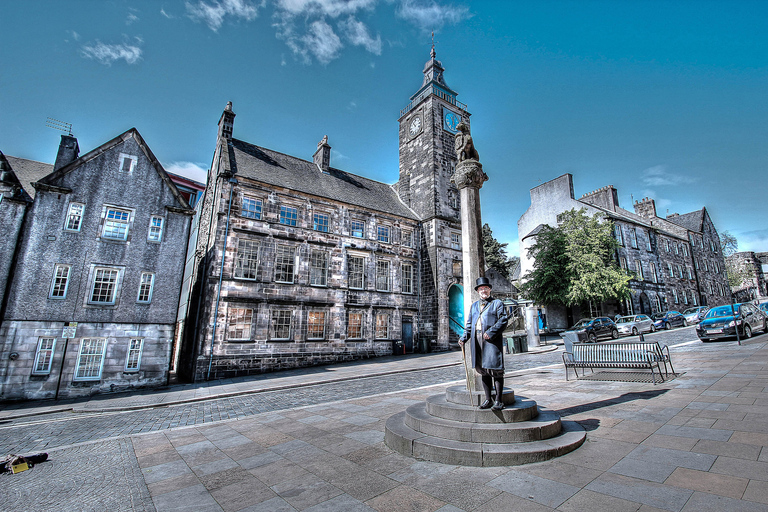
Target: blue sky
662, 99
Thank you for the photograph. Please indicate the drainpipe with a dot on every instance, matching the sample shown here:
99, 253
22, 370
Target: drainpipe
233, 182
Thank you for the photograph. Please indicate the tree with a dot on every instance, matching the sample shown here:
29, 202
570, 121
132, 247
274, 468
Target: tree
574, 263
736, 273
495, 253
728, 244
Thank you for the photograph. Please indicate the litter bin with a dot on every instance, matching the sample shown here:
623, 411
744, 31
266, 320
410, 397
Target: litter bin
398, 348
521, 344
509, 343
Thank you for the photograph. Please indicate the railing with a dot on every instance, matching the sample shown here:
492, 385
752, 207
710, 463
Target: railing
450, 98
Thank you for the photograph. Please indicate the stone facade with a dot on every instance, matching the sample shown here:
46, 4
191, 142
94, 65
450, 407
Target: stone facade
102, 247
672, 261
13, 205
753, 267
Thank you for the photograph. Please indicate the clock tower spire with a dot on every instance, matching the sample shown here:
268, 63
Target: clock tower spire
428, 125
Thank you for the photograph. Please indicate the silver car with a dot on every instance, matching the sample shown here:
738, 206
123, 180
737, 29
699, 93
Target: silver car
633, 325
694, 315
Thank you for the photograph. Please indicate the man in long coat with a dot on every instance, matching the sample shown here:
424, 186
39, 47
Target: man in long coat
486, 322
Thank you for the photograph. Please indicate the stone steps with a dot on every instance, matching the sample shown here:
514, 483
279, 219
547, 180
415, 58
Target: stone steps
446, 429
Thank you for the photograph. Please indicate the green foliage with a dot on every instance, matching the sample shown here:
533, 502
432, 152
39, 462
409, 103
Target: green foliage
495, 254
574, 262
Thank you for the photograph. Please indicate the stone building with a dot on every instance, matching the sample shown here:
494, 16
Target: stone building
675, 263
752, 271
91, 302
13, 205
299, 263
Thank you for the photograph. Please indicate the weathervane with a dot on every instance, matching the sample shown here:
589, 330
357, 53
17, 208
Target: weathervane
59, 125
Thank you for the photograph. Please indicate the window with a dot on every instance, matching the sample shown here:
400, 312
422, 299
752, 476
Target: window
60, 282
320, 222
677, 248
667, 241
281, 324
671, 270
407, 237
706, 267
658, 303
133, 358
383, 234
674, 293
90, 359
316, 325
633, 238
104, 285
716, 267
382, 276
680, 271
356, 272
617, 234
690, 273
357, 228
355, 327
288, 215
127, 163
685, 297
155, 229
693, 299
382, 326
251, 208
74, 217
318, 268
239, 324
456, 241
639, 266
696, 263
146, 285
284, 263
654, 275
709, 286
685, 250
406, 278
246, 259
648, 242
44, 356
623, 262
116, 224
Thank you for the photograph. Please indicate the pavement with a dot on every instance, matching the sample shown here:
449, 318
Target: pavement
698, 442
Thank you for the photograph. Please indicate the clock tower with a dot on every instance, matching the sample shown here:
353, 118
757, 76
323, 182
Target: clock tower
427, 161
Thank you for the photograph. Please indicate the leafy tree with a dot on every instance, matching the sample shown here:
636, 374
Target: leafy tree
728, 244
496, 255
736, 274
574, 262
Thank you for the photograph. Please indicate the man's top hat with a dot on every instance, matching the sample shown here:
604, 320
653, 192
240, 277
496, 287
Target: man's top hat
483, 281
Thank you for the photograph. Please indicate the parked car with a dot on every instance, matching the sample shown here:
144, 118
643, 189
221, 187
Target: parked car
694, 315
635, 324
723, 321
763, 307
668, 320
595, 328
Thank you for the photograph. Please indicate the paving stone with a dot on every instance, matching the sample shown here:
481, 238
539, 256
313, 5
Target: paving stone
729, 449
276, 504
164, 471
306, 491
756, 491
406, 499
638, 468
259, 460
241, 494
341, 503
216, 466
195, 497
691, 460
711, 483
506, 502
590, 500
641, 491
740, 467
278, 471
173, 484
703, 502
541, 490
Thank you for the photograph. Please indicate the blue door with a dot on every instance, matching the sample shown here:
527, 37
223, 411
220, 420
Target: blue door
456, 309
408, 336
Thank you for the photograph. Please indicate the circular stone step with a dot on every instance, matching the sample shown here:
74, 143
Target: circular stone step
544, 426
521, 410
460, 395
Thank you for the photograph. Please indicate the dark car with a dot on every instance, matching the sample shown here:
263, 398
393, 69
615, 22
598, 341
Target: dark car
722, 322
668, 320
594, 328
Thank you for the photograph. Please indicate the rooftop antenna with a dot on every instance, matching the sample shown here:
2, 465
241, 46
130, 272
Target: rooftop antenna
59, 125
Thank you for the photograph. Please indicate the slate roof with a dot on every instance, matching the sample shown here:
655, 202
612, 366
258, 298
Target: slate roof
273, 168
693, 221
28, 172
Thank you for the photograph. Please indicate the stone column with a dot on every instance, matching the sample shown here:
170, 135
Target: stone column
469, 177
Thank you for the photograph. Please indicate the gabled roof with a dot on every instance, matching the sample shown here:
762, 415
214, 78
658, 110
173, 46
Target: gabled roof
133, 132
277, 169
693, 221
28, 172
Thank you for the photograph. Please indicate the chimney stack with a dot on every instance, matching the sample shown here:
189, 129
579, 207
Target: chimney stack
226, 122
322, 156
646, 208
68, 152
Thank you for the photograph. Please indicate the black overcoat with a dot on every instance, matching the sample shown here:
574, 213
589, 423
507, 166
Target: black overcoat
493, 320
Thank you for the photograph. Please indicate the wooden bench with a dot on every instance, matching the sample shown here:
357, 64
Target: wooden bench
620, 355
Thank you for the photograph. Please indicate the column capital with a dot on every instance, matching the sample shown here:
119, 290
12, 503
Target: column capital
469, 173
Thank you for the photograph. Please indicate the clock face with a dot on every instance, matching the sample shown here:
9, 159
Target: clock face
415, 125
451, 120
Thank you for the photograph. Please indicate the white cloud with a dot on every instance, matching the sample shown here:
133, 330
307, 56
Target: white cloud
108, 53
322, 42
332, 8
213, 14
162, 11
132, 18
357, 33
189, 170
74, 34
429, 15
657, 176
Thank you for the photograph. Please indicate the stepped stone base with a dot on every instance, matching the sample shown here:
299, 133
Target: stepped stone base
451, 429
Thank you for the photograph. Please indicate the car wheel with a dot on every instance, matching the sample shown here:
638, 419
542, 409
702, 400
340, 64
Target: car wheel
685, 324
634, 331
667, 326
614, 334
747, 332
705, 340
592, 338
653, 328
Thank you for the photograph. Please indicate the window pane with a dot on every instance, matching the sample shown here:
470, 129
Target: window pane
288, 215
356, 272
116, 224
44, 356
456, 241
133, 359
281, 324
383, 234
155, 229
75, 216
90, 359
145, 287
239, 324
382, 326
316, 325
408, 238
320, 222
247, 259
382, 276
355, 329
357, 228
104, 283
318, 268
284, 263
251, 208
60, 281
407, 278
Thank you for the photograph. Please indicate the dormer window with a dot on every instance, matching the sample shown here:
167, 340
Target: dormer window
127, 163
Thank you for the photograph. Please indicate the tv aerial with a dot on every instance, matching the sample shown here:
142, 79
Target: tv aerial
59, 125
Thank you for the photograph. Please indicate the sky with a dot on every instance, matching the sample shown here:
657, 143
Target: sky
661, 99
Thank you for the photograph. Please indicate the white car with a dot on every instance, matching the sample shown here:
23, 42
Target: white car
694, 315
632, 325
